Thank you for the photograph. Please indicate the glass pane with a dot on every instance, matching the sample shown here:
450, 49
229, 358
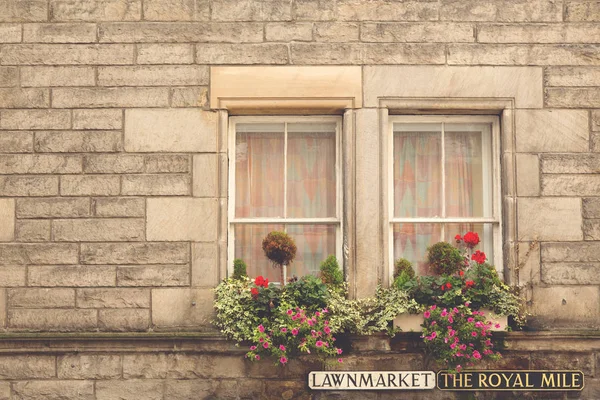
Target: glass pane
468, 170
248, 246
417, 170
311, 181
485, 232
315, 243
412, 240
259, 170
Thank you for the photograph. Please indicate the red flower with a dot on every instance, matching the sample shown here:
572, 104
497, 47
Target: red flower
458, 238
470, 283
479, 257
254, 291
260, 281
471, 239
462, 273
447, 286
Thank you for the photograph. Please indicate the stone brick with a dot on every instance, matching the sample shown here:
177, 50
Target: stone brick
26, 367
172, 163
161, 366
110, 97
205, 265
571, 273
194, 388
57, 76
595, 142
528, 175
97, 119
39, 164
97, 10
151, 32
244, 387
571, 252
89, 366
98, 230
381, 10
78, 141
10, 33
552, 130
119, 207
28, 185
538, 33
89, 185
367, 53
173, 10
52, 320
41, 298
5, 390
522, 54
591, 207
314, 10
174, 219
129, 389
572, 76
417, 32
53, 208
289, 31
501, 10
267, 53
35, 119
573, 97
596, 120
252, 10
113, 164
153, 275
183, 307
156, 185
54, 390
113, 298
57, 54
571, 164
563, 361
23, 10
9, 76
7, 220
570, 185
576, 11
71, 275
170, 131
135, 253
13, 275
336, 32
124, 320
59, 33
16, 142
24, 98
566, 307
189, 97
591, 229
205, 175
529, 263
165, 53
156, 75
33, 230
549, 219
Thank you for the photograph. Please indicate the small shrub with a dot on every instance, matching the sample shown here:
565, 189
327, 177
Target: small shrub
445, 259
403, 273
308, 292
331, 274
280, 248
239, 269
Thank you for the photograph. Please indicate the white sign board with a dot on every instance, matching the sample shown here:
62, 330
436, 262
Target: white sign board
371, 380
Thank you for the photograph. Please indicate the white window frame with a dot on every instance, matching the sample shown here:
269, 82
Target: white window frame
232, 220
495, 219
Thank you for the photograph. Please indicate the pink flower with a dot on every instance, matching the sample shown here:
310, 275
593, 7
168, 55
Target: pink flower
325, 310
474, 334
433, 334
318, 314
445, 340
476, 355
488, 342
463, 347
433, 323
319, 343
433, 307
257, 357
339, 360
450, 319
444, 313
293, 318
294, 331
266, 345
470, 319
283, 330
261, 339
313, 333
453, 346
467, 303
290, 312
261, 328
497, 326
252, 348
281, 347
283, 360
458, 368
339, 351
455, 310
327, 330
310, 322
427, 314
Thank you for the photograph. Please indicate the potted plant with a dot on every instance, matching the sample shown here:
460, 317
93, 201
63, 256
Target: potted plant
280, 248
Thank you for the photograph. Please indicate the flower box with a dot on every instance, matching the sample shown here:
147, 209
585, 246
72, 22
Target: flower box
409, 322
501, 320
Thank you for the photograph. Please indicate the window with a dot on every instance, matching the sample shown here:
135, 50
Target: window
445, 180
284, 174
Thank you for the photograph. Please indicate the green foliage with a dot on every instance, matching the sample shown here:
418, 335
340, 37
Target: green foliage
403, 273
445, 259
239, 269
331, 274
279, 247
308, 292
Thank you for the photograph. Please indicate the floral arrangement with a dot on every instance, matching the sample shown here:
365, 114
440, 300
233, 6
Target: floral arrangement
280, 248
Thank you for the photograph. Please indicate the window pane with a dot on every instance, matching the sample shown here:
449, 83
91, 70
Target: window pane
259, 170
417, 170
311, 184
248, 246
468, 170
485, 232
315, 243
412, 240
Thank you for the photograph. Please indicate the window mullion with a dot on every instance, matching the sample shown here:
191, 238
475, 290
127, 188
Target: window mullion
285, 181
443, 233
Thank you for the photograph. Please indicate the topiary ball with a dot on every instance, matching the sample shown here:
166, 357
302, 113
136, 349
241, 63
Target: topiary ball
444, 259
279, 247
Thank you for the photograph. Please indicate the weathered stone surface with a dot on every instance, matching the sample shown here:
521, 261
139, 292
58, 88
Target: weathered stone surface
522, 54
267, 53
563, 361
571, 273
39, 253
52, 320
110, 97
591, 207
156, 75
113, 164
194, 388
41, 298
205, 175
119, 207
98, 230
336, 32
23, 10
573, 97
17, 185
78, 141
97, 119
32, 230
570, 185
89, 185
528, 175
173, 163
529, 269
10, 33
53, 208
181, 307
596, 120
181, 366
89, 366
59, 33
174, 10
135, 253
54, 390
551, 130
571, 252
124, 319
35, 119
9, 76
571, 164
24, 98
174, 219
71, 275
289, 31
205, 271
566, 307
16, 142
538, 33
170, 130
156, 185
417, 32
57, 76
26, 367
149, 32
549, 219
39, 164
190, 97
591, 229
96, 10
7, 220
60, 54
13, 275
381, 10
576, 11
254, 10
113, 298
153, 275
314, 10
502, 10
165, 53
129, 390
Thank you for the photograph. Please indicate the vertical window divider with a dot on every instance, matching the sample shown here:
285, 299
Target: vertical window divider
443, 230
285, 151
